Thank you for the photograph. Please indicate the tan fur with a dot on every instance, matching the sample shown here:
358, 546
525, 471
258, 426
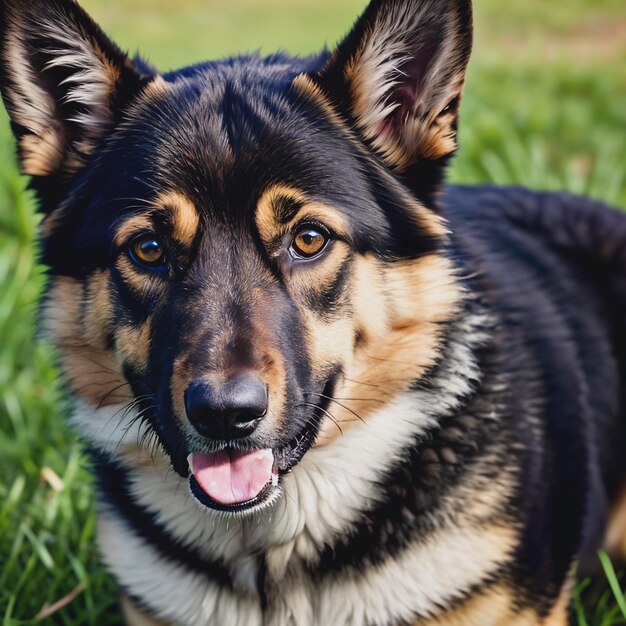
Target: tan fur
180, 380
440, 140
40, 155
155, 89
140, 282
306, 88
132, 226
133, 344
374, 71
94, 78
495, 607
77, 325
615, 537
273, 375
184, 215
329, 341
265, 212
317, 278
369, 308
33, 108
99, 312
398, 310
153, 92
488, 495
559, 615
45, 159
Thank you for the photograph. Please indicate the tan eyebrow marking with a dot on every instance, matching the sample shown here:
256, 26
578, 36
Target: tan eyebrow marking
131, 226
280, 206
184, 217
265, 210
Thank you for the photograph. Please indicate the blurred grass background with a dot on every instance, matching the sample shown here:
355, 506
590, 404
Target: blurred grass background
545, 106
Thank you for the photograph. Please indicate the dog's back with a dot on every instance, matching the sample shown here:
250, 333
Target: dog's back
554, 267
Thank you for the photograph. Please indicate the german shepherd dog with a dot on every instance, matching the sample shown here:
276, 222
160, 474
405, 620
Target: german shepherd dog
318, 386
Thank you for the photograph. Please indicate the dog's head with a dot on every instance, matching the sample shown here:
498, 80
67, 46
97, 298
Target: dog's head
244, 257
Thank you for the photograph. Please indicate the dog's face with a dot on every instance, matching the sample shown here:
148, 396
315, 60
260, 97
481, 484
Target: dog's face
241, 254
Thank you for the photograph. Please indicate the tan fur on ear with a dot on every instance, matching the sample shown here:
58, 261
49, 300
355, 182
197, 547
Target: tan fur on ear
404, 76
91, 85
60, 77
41, 154
374, 72
30, 106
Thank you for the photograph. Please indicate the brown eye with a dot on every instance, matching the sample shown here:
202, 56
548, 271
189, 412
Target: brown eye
309, 242
148, 251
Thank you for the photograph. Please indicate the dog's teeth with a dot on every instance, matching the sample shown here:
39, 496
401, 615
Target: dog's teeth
262, 454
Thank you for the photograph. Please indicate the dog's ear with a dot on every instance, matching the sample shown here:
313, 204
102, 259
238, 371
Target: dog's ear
64, 84
398, 77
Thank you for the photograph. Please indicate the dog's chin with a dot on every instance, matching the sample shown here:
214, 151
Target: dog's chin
240, 481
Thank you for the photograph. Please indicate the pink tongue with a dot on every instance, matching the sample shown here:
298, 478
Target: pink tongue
232, 476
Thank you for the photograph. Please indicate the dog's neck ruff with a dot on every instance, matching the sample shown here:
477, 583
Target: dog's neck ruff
324, 496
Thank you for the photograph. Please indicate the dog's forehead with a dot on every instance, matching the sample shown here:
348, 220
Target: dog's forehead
220, 120
222, 135
221, 139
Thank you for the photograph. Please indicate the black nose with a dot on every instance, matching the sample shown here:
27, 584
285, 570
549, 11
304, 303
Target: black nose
227, 410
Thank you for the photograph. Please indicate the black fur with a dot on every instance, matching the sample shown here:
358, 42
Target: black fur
537, 405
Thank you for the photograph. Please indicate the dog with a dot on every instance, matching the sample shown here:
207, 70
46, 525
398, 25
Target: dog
319, 386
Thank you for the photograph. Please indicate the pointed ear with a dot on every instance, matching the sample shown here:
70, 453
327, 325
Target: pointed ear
399, 74
64, 83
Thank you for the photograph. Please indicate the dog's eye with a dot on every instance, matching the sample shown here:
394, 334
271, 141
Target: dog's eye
147, 251
308, 243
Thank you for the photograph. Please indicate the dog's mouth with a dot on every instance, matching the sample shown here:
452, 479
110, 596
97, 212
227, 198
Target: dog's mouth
235, 480
232, 479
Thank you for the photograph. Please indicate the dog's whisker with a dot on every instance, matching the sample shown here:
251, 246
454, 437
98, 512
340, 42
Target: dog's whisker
359, 382
139, 417
330, 399
327, 413
112, 391
124, 411
101, 365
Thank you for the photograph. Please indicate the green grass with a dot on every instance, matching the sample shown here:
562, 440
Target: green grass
545, 107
